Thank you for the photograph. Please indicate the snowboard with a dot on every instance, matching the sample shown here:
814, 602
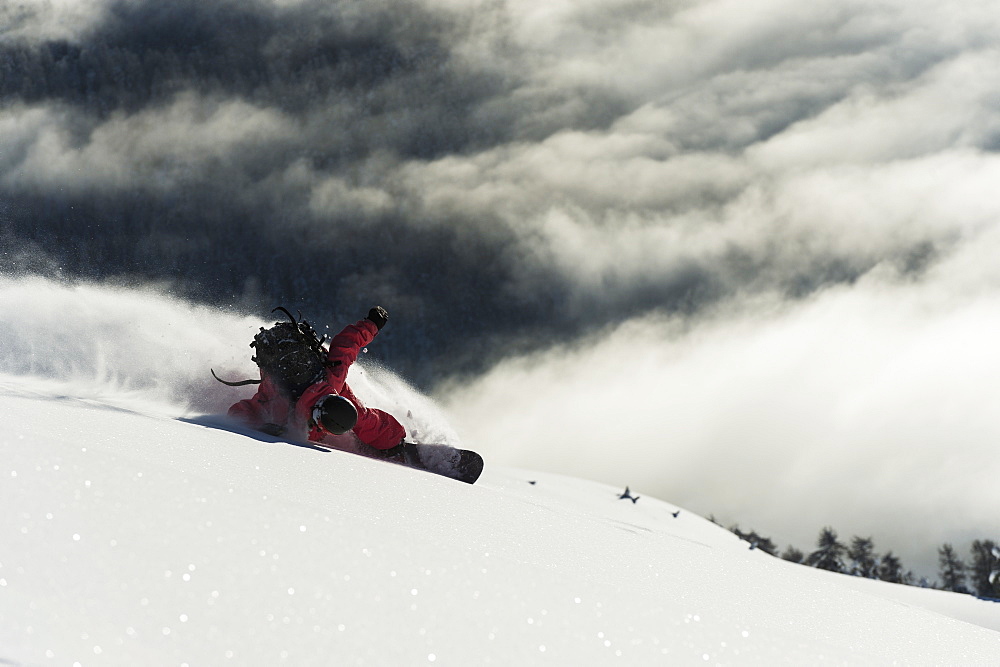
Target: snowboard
463, 465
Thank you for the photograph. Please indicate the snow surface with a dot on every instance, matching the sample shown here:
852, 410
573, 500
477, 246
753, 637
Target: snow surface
132, 537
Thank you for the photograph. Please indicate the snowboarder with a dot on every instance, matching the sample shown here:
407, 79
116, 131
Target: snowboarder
303, 390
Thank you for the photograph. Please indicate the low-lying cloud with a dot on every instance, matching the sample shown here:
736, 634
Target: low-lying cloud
869, 409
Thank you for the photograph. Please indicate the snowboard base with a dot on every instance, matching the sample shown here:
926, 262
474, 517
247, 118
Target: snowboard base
463, 465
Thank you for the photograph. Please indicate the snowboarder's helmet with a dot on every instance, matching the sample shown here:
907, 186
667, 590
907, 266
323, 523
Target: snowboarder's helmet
335, 413
291, 354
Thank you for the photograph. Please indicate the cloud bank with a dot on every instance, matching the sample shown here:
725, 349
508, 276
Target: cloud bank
761, 234
867, 409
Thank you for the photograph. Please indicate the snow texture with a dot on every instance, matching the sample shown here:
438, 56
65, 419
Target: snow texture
130, 536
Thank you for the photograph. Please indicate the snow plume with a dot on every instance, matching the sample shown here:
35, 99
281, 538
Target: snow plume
424, 419
125, 346
143, 349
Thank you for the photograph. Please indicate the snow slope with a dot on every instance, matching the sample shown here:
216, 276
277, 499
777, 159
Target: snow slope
130, 537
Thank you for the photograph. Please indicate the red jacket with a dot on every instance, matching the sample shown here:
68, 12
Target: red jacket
268, 406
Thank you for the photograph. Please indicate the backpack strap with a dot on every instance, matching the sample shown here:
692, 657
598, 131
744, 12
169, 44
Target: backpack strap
234, 384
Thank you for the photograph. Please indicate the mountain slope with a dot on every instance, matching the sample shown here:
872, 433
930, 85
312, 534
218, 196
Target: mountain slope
133, 538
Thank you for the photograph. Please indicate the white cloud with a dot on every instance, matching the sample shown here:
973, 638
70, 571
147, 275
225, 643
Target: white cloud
159, 148
332, 196
952, 106
870, 409
49, 19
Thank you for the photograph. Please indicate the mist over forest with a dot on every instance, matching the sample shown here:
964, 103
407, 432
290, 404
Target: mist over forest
760, 235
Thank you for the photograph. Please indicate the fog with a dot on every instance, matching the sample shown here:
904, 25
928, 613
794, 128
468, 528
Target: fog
868, 410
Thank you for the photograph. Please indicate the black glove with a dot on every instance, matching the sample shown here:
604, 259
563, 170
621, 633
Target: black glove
378, 316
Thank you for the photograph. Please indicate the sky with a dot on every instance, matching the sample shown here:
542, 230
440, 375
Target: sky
741, 254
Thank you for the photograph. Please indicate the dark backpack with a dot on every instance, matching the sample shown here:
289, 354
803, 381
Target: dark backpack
290, 354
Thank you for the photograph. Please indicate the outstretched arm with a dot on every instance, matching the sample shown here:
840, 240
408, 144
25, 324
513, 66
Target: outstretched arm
373, 427
345, 346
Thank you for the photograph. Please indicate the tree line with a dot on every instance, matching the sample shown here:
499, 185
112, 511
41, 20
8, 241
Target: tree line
979, 574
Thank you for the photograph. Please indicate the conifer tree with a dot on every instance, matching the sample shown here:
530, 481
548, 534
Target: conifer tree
952, 570
765, 544
891, 569
793, 555
862, 555
829, 554
985, 565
